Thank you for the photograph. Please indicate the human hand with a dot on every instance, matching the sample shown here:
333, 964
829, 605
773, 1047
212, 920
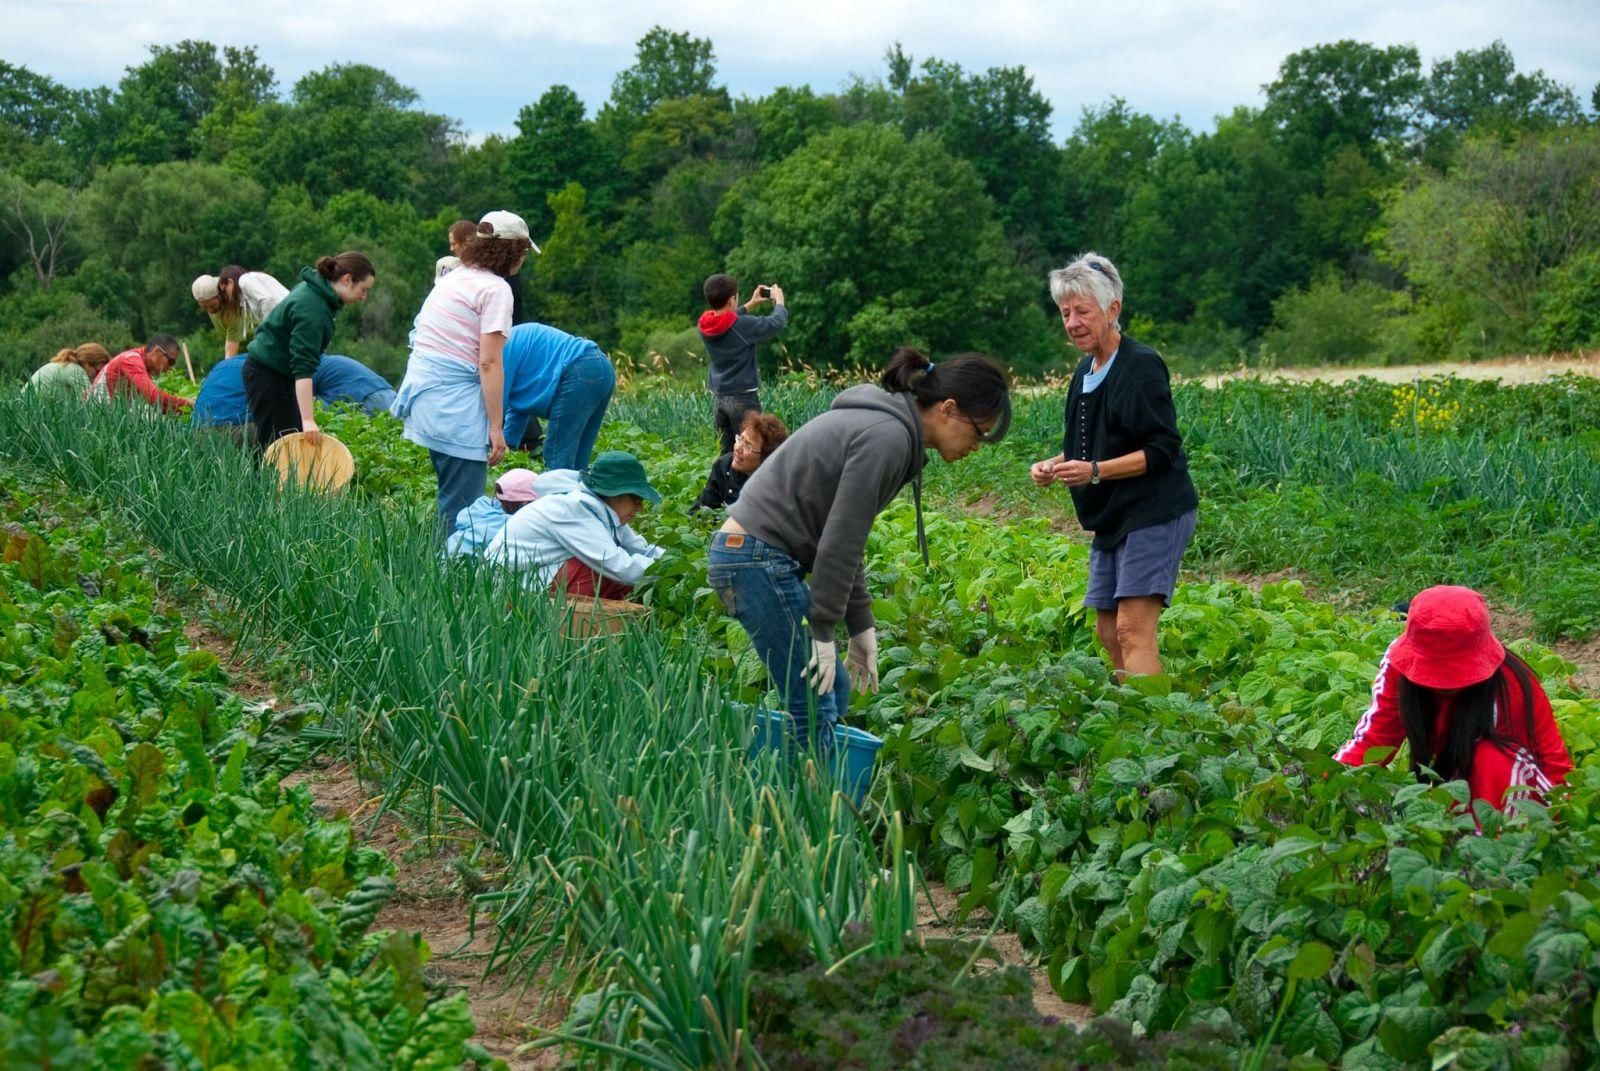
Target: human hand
497, 446
312, 433
1043, 472
823, 666
862, 661
776, 294
1073, 473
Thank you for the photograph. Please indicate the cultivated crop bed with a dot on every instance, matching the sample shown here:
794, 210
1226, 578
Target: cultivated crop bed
1184, 855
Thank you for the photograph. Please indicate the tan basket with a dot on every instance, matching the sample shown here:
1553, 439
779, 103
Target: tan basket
601, 617
327, 467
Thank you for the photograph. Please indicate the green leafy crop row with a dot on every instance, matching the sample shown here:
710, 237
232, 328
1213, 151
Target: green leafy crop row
164, 901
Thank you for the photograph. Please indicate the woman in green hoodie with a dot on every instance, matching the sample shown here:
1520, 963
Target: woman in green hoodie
289, 344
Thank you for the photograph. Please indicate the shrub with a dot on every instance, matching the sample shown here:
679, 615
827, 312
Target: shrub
1332, 321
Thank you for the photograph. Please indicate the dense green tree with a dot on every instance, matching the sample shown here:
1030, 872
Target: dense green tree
667, 66
784, 120
996, 121
568, 285
1478, 240
1347, 93
348, 127
555, 145
1108, 156
161, 226
1482, 90
881, 240
160, 105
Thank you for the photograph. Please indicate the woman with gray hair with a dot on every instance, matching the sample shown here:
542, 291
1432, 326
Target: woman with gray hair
1122, 460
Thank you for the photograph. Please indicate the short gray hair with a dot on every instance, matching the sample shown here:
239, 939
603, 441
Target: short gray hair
1090, 275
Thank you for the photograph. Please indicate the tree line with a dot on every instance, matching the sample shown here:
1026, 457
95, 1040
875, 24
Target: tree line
1367, 209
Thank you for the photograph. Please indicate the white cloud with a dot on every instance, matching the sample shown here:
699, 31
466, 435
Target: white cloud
481, 60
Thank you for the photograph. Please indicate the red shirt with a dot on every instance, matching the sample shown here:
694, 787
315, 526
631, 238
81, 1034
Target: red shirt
127, 373
1539, 762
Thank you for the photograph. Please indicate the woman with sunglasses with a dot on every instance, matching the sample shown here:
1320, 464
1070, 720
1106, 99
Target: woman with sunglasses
1122, 459
133, 372
808, 510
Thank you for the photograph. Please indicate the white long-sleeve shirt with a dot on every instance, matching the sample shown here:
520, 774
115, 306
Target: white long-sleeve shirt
540, 537
259, 294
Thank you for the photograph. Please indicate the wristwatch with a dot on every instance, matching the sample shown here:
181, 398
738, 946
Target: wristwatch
1094, 472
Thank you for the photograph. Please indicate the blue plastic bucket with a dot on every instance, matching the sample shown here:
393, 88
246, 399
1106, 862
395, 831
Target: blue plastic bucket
857, 750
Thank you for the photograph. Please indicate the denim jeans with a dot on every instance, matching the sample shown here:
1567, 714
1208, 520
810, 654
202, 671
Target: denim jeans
461, 482
762, 587
577, 411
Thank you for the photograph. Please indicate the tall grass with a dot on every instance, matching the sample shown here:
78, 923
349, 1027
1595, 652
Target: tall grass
643, 847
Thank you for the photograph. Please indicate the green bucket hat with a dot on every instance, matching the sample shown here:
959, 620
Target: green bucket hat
617, 472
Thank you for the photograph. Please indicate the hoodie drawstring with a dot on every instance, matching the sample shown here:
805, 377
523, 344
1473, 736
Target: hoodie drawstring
922, 534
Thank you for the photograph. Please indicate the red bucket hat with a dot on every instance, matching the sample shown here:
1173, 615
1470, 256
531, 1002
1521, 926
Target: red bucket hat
1447, 642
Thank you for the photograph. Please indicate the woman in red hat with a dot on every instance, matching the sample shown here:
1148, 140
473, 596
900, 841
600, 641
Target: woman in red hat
1470, 709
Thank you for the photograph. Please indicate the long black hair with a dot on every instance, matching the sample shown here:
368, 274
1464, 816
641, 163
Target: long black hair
973, 381
1472, 718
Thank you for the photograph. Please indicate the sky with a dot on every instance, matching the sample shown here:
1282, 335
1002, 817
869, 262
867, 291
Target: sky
480, 61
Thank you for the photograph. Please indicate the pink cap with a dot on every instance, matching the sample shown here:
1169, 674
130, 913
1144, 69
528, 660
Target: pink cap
516, 485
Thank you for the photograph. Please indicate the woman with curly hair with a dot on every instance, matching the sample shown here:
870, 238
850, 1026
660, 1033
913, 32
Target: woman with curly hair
453, 396
71, 369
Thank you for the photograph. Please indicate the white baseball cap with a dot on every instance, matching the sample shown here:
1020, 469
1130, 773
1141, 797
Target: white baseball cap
504, 225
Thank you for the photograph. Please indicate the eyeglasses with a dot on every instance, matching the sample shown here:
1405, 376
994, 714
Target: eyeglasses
746, 443
997, 430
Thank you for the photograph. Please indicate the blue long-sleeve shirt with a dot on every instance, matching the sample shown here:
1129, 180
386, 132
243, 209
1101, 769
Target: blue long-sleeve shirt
540, 538
337, 379
534, 357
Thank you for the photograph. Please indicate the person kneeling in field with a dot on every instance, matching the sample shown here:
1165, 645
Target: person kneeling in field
132, 372
760, 435
480, 522
1470, 709
578, 543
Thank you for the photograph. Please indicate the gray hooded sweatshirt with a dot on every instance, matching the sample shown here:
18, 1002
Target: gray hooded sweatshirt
816, 497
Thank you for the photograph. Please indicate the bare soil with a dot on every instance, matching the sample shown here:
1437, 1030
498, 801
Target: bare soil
937, 916
1527, 368
429, 900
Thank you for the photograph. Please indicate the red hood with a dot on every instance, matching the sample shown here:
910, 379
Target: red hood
714, 322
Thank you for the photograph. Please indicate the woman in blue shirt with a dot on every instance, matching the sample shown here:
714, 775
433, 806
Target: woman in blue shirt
567, 380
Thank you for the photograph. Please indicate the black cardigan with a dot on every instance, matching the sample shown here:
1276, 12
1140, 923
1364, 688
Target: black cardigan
1131, 410
722, 486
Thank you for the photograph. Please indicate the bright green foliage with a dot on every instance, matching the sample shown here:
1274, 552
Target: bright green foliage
881, 241
162, 897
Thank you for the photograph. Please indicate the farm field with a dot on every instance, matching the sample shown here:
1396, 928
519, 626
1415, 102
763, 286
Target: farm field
1182, 855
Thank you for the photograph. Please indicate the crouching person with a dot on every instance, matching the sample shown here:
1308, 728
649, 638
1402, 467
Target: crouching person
579, 543
481, 521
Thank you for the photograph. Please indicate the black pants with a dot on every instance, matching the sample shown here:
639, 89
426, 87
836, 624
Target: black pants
274, 410
730, 413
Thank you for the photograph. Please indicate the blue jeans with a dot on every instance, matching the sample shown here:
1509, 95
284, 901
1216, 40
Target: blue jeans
578, 410
378, 399
762, 587
461, 482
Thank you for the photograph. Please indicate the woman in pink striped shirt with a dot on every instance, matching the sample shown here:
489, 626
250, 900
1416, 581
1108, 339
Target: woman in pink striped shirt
1470, 709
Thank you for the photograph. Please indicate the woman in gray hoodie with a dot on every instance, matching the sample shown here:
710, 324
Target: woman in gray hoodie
808, 511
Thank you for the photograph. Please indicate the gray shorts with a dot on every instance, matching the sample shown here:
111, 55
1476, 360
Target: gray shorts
1145, 563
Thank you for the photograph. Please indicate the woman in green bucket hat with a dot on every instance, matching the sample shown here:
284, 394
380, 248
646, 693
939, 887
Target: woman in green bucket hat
579, 542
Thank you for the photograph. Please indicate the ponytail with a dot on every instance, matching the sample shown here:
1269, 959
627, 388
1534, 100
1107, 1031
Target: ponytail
356, 265
89, 355
972, 380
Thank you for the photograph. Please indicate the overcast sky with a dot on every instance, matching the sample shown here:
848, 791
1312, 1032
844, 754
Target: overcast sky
481, 60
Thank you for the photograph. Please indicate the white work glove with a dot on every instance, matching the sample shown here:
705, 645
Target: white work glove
862, 661
823, 666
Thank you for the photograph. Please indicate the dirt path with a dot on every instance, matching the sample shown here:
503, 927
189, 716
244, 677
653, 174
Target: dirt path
936, 916
428, 900
1530, 368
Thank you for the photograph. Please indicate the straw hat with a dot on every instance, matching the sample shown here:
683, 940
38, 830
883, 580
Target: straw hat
327, 467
